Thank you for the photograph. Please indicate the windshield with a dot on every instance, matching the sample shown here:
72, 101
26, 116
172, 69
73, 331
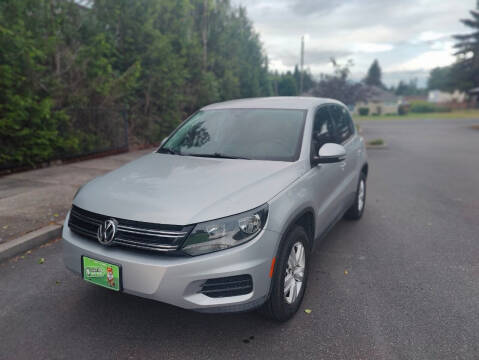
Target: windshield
258, 134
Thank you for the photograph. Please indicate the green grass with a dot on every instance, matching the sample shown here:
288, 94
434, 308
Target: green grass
462, 114
376, 142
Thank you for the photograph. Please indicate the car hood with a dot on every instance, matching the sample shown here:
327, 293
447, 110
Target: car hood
181, 190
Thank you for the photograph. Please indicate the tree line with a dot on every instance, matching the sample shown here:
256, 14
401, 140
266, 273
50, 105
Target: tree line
155, 61
72, 70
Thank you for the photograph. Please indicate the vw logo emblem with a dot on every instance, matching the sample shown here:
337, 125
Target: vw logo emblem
106, 232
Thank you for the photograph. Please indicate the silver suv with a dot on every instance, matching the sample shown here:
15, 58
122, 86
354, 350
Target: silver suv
225, 214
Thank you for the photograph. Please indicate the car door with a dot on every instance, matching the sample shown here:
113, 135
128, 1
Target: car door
325, 178
345, 134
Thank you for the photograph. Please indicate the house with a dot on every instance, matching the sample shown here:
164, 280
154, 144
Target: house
474, 97
379, 102
441, 97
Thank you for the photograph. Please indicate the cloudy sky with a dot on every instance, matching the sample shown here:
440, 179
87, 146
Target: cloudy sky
408, 37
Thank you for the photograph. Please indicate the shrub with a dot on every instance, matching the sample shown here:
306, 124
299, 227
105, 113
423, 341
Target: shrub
442, 108
427, 107
402, 109
29, 132
422, 107
363, 111
376, 142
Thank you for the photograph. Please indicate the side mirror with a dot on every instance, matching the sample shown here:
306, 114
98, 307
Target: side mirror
330, 153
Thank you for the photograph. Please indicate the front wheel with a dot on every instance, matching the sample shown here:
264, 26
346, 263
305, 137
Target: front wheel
356, 210
290, 277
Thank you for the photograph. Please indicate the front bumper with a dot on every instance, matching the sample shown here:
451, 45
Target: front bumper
178, 280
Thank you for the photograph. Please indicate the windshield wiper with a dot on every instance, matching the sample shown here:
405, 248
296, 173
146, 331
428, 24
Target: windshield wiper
219, 156
169, 151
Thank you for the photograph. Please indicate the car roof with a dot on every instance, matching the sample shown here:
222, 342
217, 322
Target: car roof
277, 102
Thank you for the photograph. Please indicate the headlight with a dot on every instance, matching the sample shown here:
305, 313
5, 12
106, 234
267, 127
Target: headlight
227, 232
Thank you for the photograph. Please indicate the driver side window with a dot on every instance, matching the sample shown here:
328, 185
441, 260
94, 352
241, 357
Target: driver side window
323, 131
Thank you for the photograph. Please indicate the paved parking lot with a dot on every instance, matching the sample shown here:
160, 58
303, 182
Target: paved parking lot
403, 283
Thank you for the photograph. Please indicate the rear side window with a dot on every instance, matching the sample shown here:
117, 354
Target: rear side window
343, 123
323, 130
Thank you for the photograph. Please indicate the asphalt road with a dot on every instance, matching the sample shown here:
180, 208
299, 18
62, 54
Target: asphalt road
403, 283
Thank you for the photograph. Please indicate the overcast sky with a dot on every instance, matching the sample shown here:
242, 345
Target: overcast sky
408, 37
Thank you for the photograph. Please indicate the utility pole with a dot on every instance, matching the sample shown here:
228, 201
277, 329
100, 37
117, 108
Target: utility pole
204, 35
302, 66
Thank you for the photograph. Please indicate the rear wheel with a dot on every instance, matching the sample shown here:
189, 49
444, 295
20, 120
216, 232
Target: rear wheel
356, 210
290, 276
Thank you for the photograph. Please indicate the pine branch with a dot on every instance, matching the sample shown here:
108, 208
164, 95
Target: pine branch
467, 37
463, 51
471, 23
475, 14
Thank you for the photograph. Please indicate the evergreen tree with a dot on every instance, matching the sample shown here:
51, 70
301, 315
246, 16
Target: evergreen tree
466, 69
297, 76
287, 85
440, 78
374, 76
409, 88
308, 81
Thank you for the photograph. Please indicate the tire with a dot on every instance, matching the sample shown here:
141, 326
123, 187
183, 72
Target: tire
282, 305
356, 210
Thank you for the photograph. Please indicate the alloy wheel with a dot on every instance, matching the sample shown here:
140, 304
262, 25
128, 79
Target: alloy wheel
361, 195
293, 280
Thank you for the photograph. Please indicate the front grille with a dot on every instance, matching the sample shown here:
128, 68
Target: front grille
228, 286
135, 234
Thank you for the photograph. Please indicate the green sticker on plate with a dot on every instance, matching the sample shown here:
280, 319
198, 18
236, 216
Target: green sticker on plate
101, 273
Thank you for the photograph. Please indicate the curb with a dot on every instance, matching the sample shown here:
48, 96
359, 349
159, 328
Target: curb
30, 240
